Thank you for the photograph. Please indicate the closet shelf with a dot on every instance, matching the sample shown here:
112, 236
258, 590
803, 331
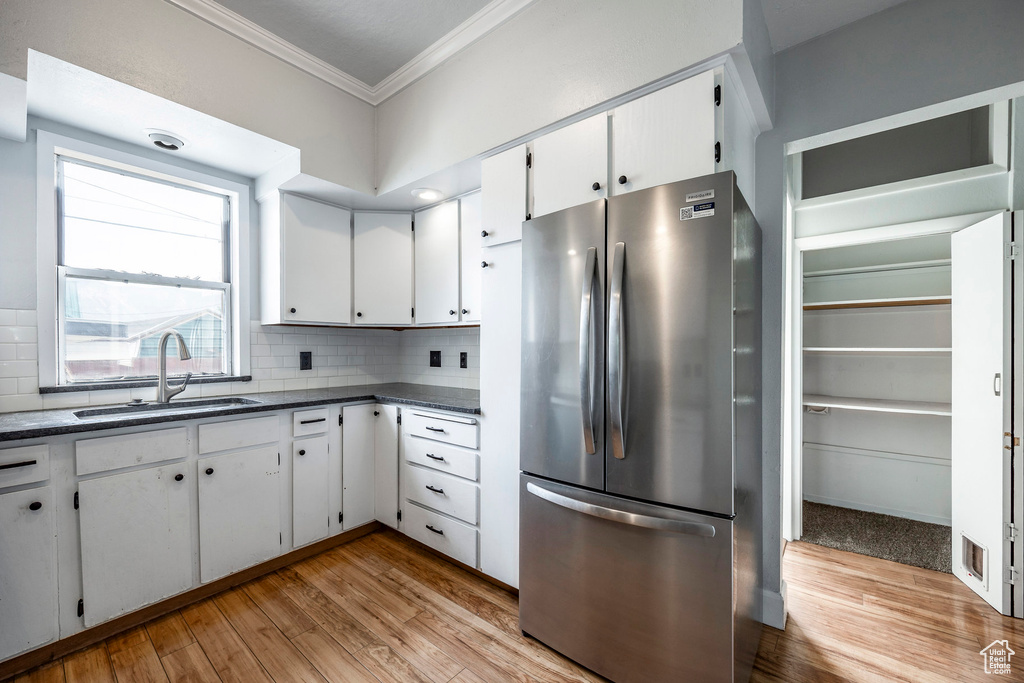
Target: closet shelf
882, 351
878, 405
878, 303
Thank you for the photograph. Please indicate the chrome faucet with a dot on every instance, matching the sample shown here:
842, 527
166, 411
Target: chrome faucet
164, 392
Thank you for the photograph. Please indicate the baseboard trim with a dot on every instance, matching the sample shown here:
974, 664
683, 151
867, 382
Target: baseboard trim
82, 639
773, 605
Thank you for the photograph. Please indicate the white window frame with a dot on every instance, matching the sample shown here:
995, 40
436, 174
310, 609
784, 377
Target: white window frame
48, 280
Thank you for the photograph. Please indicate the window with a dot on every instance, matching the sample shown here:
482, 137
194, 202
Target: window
137, 256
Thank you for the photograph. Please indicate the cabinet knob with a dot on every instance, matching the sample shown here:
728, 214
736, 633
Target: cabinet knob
209, 470
451, 312
292, 310
484, 264
529, 216
376, 413
35, 506
359, 314
483, 233
595, 187
179, 477
302, 451
465, 311
623, 180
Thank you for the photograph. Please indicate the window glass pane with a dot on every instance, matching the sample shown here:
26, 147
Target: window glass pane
112, 329
119, 222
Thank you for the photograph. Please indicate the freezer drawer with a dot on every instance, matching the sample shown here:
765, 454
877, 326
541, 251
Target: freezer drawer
635, 592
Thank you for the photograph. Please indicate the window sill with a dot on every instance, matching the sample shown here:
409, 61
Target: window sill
137, 384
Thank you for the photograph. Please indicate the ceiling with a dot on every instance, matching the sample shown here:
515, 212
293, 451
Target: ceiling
791, 22
367, 39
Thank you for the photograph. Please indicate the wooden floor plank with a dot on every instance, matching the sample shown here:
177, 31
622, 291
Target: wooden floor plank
333, 661
388, 666
169, 633
358, 579
189, 665
268, 592
338, 623
227, 652
91, 665
137, 664
48, 673
452, 642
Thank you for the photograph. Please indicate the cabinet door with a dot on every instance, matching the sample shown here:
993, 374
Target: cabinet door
437, 264
385, 451
666, 136
569, 164
136, 540
357, 464
383, 268
310, 512
500, 331
317, 262
28, 578
503, 185
470, 239
239, 511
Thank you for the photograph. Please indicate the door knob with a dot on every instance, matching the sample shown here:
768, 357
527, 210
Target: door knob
595, 187
484, 264
483, 233
623, 180
179, 477
302, 452
293, 310
359, 314
465, 311
209, 470
451, 312
35, 506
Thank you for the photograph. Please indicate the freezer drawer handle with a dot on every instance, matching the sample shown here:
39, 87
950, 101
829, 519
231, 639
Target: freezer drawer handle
621, 516
586, 361
616, 353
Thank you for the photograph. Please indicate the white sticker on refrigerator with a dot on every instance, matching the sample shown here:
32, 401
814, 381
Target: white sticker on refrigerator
704, 195
703, 210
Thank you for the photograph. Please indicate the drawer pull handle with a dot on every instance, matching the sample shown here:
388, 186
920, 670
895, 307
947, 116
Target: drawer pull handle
435, 457
12, 465
436, 531
431, 488
309, 422
435, 429
35, 506
179, 477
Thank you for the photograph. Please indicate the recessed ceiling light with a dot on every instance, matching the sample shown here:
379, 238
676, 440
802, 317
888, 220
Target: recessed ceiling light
427, 194
165, 140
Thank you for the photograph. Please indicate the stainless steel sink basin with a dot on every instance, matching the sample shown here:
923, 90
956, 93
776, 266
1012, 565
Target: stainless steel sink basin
198, 405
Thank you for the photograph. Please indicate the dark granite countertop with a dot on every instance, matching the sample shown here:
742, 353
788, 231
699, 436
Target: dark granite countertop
40, 423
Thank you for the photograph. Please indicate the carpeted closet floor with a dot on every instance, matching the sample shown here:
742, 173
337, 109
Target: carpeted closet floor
906, 541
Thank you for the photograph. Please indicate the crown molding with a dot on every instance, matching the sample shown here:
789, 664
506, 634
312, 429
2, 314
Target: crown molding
477, 26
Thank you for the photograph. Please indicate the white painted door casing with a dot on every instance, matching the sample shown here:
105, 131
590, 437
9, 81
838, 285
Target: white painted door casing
437, 264
382, 250
568, 163
503, 205
470, 225
316, 262
980, 464
28, 571
385, 455
310, 490
358, 465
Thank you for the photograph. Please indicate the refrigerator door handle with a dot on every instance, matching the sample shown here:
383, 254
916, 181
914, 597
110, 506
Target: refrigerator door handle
616, 380
621, 516
586, 361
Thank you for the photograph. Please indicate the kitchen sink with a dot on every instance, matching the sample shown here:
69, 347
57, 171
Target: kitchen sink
195, 405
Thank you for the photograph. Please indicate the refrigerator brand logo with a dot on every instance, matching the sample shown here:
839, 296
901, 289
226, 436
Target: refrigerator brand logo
697, 211
702, 196
997, 657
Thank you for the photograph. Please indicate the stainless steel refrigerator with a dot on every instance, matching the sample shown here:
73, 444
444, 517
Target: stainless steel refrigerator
640, 492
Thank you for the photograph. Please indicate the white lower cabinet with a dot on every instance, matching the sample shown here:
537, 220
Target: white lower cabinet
453, 538
136, 539
310, 490
357, 465
239, 511
385, 455
28, 571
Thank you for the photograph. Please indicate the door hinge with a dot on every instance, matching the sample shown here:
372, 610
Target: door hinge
529, 160
81, 607
399, 418
413, 226
1012, 250
1014, 440
341, 420
1010, 575
399, 515
718, 152
280, 538
328, 448
341, 517
1012, 532
413, 310
718, 96
278, 459
76, 500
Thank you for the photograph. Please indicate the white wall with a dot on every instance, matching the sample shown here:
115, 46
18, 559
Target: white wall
160, 48
555, 59
916, 54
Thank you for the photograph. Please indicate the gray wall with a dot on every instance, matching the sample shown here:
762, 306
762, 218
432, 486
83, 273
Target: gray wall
919, 53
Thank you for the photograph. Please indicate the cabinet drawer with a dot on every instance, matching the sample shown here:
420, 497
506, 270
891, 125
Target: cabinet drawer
125, 450
458, 431
441, 492
306, 422
222, 436
25, 465
445, 535
442, 457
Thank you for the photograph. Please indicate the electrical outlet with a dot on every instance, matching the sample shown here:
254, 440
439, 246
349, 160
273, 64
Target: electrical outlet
305, 360
463, 360
435, 359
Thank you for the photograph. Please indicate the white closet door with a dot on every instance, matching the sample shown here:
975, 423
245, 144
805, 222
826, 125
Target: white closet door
357, 464
437, 264
471, 258
382, 246
569, 163
666, 136
503, 183
317, 262
981, 389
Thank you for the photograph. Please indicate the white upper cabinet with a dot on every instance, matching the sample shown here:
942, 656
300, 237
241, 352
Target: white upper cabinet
471, 258
666, 136
306, 262
437, 264
383, 255
503, 208
570, 165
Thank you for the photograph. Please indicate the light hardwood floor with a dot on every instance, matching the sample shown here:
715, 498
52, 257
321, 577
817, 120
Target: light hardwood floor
382, 609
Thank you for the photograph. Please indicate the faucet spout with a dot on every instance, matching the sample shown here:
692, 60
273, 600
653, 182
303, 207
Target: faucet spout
164, 391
